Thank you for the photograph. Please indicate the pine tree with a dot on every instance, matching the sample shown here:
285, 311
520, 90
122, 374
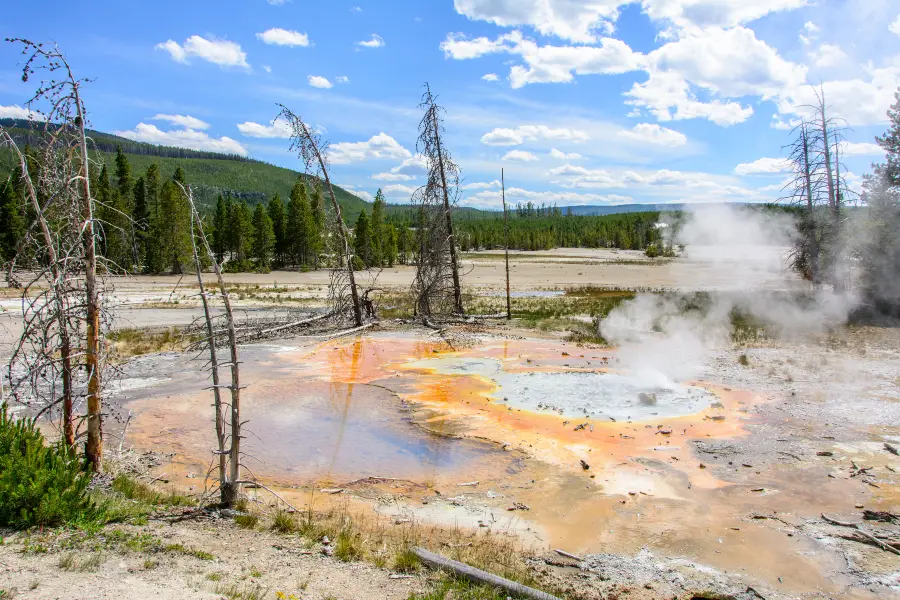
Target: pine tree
390, 245
263, 238
175, 224
279, 228
140, 217
12, 223
298, 219
220, 229
316, 225
240, 233
362, 239
153, 262
379, 232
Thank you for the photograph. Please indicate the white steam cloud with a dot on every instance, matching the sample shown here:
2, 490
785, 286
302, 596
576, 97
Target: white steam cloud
667, 338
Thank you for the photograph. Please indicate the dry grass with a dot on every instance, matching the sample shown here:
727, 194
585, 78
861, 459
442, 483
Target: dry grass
135, 342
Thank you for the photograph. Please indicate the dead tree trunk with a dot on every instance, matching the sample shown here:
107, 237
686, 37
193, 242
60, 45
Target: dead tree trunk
506, 244
454, 266
213, 364
812, 234
230, 488
59, 295
310, 149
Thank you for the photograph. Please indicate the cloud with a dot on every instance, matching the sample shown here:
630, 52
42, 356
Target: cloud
894, 27
764, 166
861, 149
581, 20
277, 2
860, 101
183, 138
284, 37
828, 55
810, 31
481, 185
559, 154
547, 64
275, 129
318, 81
392, 177
515, 137
490, 77
381, 146
668, 97
375, 42
414, 165
219, 52
267, 68
17, 112
356, 9
520, 156
691, 15
688, 186
652, 133
398, 191
342, 79
185, 121
575, 21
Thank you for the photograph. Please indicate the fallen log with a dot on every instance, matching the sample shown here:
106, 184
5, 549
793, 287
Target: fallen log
478, 576
863, 532
568, 555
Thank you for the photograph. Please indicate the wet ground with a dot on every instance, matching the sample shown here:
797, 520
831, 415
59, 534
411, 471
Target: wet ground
729, 473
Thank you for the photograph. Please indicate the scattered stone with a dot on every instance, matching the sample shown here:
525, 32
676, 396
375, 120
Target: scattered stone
585, 466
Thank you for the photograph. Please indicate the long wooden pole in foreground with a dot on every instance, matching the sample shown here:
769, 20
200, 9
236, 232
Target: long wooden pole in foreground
506, 244
478, 576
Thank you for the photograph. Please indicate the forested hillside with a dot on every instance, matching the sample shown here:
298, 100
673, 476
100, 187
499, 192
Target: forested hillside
210, 174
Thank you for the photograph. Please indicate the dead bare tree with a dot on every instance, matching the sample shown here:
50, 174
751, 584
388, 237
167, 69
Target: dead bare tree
66, 144
230, 473
803, 190
312, 152
436, 287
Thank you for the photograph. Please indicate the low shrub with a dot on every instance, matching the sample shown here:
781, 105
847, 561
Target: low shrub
40, 485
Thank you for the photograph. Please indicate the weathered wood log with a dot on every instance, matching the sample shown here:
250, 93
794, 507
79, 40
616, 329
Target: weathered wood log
861, 531
569, 555
478, 576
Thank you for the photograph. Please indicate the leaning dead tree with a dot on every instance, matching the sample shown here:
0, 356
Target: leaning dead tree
312, 151
436, 288
228, 426
63, 189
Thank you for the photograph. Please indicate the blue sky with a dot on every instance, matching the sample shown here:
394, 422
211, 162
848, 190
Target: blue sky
580, 101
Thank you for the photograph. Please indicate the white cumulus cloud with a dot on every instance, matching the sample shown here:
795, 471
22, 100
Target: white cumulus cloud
275, 129
763, 166
185, 121
559, 154
828, 55
219, 52
514, 137
17, 112
374, 42
392, 177
520, 156
490, 77
284, 37
894, 27
651, 133
861, 149
183, 138
317, 81
381, 146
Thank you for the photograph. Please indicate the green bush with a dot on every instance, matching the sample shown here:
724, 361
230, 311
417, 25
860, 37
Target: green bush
39, 484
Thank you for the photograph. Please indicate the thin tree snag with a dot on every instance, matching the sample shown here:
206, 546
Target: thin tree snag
506, 244
807, 182
213, 364
59, 295
478, 576
307, 144
231, 487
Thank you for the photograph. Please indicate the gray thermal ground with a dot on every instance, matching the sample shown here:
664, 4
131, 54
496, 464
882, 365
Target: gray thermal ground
582, 394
